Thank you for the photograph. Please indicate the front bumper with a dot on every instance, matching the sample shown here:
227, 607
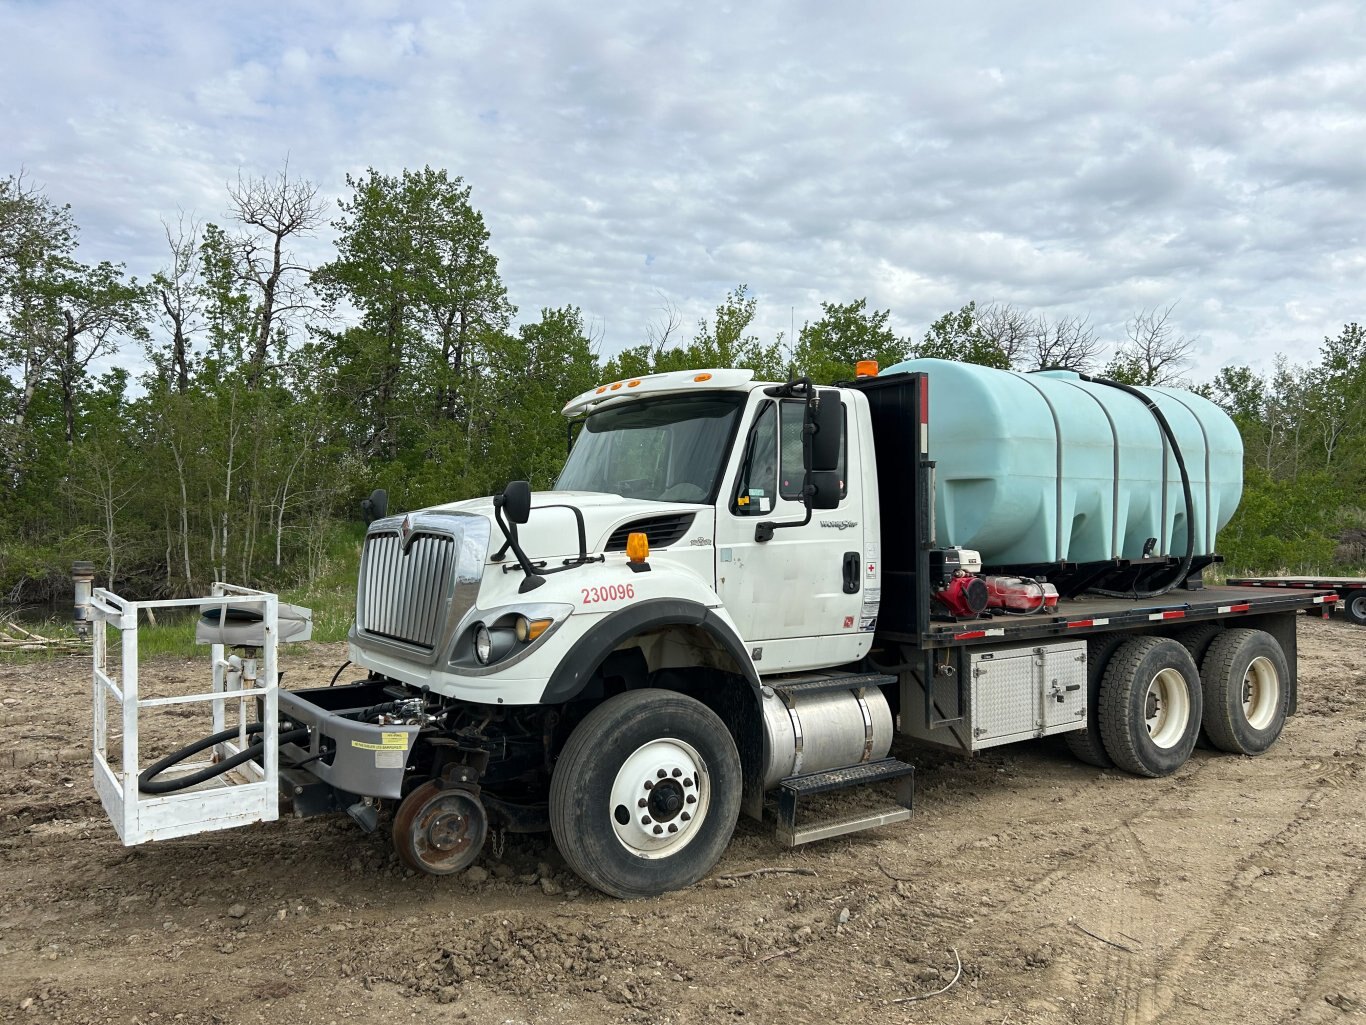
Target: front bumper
355, 757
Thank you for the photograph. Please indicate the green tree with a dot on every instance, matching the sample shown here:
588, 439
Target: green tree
828, 349
957, 336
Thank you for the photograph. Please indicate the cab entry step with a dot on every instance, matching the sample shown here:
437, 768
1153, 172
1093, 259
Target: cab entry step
793, 789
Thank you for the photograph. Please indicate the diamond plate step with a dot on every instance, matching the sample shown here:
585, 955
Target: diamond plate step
797, 686
794, 788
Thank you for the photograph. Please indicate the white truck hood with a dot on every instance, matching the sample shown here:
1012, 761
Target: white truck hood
553, 533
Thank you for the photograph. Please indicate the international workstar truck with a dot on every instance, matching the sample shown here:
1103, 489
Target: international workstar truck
739, 594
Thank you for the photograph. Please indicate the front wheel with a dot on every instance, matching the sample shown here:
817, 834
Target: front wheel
645, 794
1150, 706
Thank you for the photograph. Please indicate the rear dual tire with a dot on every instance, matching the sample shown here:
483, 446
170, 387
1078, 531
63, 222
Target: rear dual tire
1150, 706
1247, 691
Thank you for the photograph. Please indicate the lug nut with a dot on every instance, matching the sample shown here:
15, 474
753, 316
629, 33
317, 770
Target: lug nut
649, 784
685, 816
692, 799
642, 803
661, 773
687, 782
658, 830
673, 828
646, 821
677, 773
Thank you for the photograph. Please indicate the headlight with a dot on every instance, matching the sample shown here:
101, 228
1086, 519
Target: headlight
483, 644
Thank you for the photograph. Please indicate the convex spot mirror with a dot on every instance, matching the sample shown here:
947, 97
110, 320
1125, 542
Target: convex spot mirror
517, 501
825, 489
828, 419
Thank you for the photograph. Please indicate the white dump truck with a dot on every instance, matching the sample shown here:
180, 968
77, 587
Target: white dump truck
741, 593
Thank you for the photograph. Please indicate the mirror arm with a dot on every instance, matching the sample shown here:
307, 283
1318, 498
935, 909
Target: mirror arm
533, 579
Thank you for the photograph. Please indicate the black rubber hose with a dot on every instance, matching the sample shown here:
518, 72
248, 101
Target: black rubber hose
1166, 429
149, 784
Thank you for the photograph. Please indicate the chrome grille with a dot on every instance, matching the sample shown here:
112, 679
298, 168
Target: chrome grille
404, 597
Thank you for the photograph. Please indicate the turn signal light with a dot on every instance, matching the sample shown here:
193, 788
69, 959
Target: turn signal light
530, 629
865, 368
702, 377
637, 547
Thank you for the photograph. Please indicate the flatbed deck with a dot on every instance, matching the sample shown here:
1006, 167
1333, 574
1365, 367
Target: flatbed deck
1096, 614
1336, 583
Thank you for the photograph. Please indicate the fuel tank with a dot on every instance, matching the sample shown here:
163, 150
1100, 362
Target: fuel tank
1045, 467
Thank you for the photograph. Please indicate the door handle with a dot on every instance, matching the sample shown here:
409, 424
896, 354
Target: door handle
853, 562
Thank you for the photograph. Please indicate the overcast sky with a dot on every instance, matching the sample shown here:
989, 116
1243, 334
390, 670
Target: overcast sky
1069, 158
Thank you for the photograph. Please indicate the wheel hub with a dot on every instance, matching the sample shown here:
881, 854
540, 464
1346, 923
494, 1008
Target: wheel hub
439, 831
1261, 693
1166, 708
660, 795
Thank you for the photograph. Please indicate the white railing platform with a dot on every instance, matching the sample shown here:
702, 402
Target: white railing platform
246, 794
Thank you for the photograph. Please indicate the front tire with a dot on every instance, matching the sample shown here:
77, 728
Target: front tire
1150, 706
645, 794
1247, 691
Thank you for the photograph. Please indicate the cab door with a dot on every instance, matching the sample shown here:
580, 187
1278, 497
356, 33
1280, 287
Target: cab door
798, 598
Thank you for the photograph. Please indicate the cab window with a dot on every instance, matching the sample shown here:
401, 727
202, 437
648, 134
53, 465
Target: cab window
757, 485
793, 470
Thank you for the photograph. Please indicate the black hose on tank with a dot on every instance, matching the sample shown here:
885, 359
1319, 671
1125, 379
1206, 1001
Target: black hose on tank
1166, 429
149, 784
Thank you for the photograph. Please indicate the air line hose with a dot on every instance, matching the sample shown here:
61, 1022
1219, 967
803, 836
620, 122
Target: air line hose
1166, 429
149, 784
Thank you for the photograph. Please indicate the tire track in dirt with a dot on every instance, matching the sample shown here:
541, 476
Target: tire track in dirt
1236, 903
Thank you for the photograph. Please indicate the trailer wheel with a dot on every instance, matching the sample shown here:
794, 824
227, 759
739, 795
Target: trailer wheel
646, 793
439, 831
1150, 706
1087, 744
1246, 677
1355, 604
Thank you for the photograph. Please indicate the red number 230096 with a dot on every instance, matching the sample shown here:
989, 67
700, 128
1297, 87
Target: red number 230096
608, 592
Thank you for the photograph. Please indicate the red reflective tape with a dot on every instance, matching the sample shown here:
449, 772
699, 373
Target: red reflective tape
1177, 614
1239, 608
925, 399
970, 635
1081, 622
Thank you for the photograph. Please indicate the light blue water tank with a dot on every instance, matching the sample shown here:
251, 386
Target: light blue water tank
1046, 467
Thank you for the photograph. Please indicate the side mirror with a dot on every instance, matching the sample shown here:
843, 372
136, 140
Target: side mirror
517, 501
376, 507
828, 419
825, 486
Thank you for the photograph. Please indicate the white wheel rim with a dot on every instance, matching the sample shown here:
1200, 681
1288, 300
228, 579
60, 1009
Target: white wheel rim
662, 791
1261, 693
1357, 606
1167, 708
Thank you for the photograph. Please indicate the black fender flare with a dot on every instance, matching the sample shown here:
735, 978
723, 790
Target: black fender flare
588, 652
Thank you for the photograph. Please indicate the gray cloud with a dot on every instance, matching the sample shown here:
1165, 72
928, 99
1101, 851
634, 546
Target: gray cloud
1071, 158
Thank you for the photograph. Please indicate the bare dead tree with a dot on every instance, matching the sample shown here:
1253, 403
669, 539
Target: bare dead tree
280, 209
1154, 353
660, 333
179, 296
1008, 328
1068, 343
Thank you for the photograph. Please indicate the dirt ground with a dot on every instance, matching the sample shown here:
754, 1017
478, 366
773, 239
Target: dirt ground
1231, 891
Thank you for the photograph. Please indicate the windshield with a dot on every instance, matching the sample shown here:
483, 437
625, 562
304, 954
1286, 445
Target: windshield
669, 449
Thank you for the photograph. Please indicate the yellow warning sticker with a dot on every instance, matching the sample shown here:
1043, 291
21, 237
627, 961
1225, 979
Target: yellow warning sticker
388, 742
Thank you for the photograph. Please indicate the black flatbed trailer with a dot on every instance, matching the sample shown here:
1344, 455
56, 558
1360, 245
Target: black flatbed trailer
1351, 590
